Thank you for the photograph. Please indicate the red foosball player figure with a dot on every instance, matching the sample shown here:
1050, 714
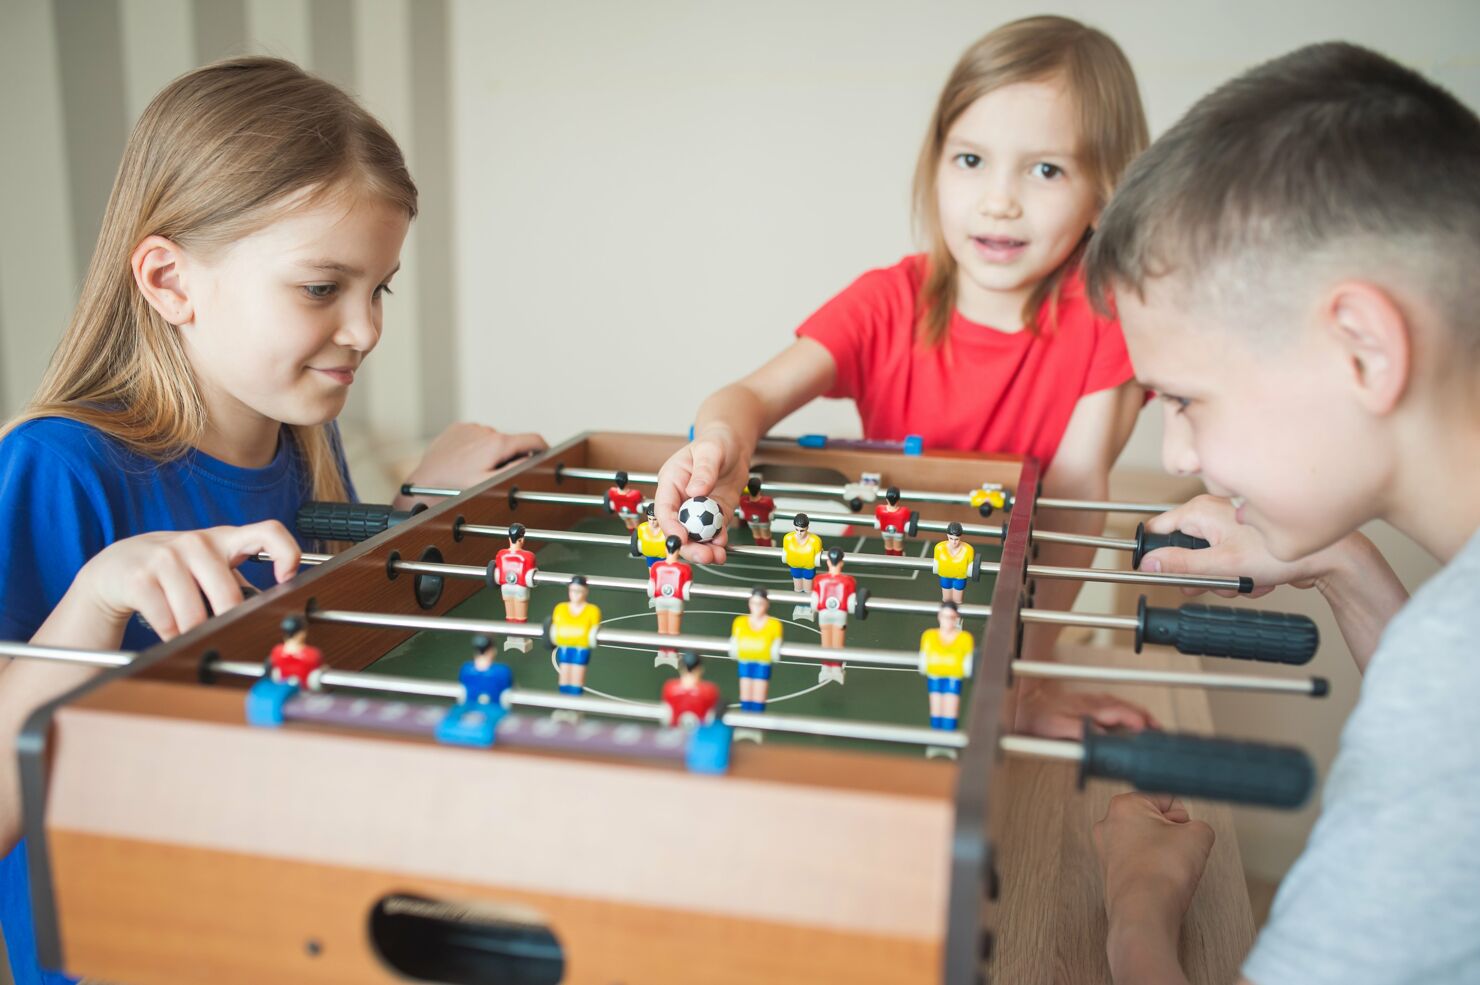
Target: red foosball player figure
293, 661
893, 521
800, 549
945, 660
625, 503
515, 568
755, 643
669, 582
834, 597
691, 700
756, 510
573, 627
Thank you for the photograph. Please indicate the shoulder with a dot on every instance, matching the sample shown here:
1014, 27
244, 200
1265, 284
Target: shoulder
82, 447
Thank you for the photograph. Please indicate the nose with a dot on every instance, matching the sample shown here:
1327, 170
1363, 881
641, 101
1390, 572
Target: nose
999, 199
1178, 456
360, 329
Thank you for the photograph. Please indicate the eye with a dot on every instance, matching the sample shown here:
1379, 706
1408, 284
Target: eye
1179, 404
383, 289
320, 292
967, 161
1045, 170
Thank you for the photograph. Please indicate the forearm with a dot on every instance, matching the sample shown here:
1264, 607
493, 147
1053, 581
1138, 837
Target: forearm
736, 414
1142, 952
1364, 594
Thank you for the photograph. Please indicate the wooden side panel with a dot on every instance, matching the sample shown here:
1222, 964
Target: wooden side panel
232, 919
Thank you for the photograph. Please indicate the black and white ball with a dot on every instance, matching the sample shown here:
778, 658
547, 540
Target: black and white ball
702, 517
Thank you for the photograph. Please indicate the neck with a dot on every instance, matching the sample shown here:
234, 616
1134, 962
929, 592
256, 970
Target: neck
1436, 496
1002, 310
238, 435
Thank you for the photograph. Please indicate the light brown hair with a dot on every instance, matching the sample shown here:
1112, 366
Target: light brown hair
213, 158
1112, 131
1331, 151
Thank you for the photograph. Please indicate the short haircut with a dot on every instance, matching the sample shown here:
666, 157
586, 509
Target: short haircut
690, 661
1329, 153
672, 543
579, 580
759, 593
516, 532
835, 555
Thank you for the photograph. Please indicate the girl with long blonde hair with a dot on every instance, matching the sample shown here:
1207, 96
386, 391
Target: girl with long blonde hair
248, 245
985, 341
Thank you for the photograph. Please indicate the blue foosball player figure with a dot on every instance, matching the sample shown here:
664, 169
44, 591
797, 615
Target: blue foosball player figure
473, 720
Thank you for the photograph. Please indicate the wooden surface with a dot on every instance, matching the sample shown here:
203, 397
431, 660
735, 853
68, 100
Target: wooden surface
1051, 919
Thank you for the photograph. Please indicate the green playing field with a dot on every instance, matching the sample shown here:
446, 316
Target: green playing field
875, 694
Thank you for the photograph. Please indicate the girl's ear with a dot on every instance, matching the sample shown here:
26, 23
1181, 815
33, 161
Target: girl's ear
157, 265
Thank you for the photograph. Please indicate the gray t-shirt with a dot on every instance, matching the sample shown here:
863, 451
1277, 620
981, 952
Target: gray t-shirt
1388, 888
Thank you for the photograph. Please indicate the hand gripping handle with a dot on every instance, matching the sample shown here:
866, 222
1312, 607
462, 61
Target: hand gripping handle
348, 521
1220, 631
1196, 766
1146, 543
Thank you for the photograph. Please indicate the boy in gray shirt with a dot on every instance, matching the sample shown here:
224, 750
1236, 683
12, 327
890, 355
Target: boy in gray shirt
1291, 264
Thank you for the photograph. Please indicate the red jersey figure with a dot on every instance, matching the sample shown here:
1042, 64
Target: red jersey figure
669, 582
756, 510
515, 568
293, 661
625, 503
893, 521
834, 596
691, 700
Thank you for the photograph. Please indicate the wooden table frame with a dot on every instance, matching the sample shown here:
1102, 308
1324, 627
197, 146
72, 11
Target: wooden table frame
65, 819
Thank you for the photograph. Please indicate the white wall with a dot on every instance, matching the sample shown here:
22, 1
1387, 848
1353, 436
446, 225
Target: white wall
679, 185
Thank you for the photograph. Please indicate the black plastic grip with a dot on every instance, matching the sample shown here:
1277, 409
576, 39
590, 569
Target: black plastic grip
912, 526
349, 521
1220, 631
1196, 766
1146, 543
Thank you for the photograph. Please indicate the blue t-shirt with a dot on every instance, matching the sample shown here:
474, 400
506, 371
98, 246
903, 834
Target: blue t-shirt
488, 685
67, 491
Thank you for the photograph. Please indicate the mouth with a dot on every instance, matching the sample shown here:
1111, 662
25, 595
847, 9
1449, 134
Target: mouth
343, 375
999, 249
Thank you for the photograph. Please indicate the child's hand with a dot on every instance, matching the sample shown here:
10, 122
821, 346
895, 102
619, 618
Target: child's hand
170, 577
1237, 549
1152, 856
465, 454
711, 465
1047, 709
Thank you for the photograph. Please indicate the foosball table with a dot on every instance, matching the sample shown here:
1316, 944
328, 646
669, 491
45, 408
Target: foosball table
193, 816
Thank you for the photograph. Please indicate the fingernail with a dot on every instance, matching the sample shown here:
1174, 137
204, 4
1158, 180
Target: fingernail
1151, 564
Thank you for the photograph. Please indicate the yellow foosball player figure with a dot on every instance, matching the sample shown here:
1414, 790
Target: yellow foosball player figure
573, 627
945, 660
755, 643
990, 496
651, 542
953, 557
801, 550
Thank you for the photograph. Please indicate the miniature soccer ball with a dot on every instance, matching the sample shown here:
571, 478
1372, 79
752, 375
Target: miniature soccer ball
702, 517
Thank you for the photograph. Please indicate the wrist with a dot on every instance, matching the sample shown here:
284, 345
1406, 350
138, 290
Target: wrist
1141, 942
1343, 565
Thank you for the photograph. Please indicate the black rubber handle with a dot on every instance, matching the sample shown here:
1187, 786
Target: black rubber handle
1146, 543
1196, 766
912, 526
1220, 631
349, 521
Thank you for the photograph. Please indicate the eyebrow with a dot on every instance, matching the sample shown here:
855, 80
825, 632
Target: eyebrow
335, 267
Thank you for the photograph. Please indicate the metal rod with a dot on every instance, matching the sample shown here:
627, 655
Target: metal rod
566, 536
1090, 619
569, 499
66, 654
871, 731
1126, 577
1022, 745
1104, 506
1314, 686
451, 624
410, 490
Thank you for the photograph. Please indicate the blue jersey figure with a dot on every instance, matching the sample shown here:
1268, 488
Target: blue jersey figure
484, 680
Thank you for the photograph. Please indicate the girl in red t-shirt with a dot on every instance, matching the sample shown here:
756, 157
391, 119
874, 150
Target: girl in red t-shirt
986, 342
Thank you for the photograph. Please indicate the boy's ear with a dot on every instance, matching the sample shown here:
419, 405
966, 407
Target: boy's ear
157, 265
1373, 335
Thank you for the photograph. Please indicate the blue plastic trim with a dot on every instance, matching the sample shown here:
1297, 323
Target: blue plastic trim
709, 749
470, 725
914, 444
813, 441
265, 702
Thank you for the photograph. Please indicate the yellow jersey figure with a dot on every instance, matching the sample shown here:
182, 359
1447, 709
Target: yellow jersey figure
945, 660
755, 642
573, 627
953, 562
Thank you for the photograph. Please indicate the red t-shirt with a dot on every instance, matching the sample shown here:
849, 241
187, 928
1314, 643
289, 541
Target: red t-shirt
514, 567
624, 500
988, 391
701, 702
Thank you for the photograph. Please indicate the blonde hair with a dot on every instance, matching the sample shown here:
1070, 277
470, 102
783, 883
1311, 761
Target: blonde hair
1112, 131
214, 158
